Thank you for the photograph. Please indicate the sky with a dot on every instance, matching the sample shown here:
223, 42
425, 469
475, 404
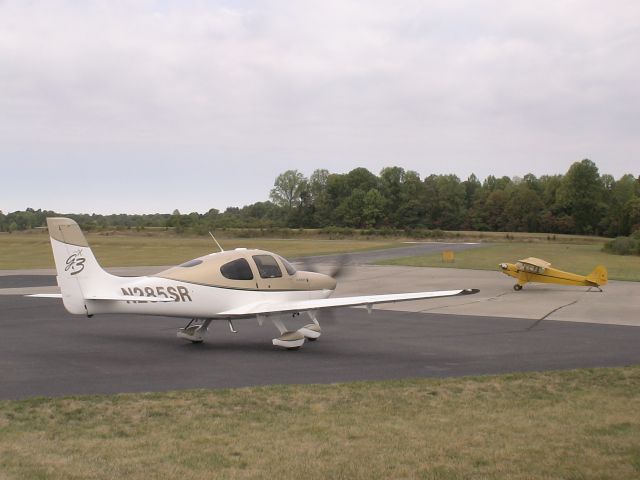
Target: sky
151, 106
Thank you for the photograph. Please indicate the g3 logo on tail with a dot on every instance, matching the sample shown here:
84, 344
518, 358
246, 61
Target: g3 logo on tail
75, 263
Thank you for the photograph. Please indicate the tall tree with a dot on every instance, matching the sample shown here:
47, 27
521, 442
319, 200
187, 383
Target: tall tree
287, 188
523, 210
471, 186
391, 183
619, 194
373, 208
318, 191
449, 210
581, 194
412, 209
350, 212
493, 212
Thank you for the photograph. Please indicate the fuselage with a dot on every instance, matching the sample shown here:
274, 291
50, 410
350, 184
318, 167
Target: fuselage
546, 275
206, 286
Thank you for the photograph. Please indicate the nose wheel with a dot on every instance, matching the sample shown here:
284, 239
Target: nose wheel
517, 287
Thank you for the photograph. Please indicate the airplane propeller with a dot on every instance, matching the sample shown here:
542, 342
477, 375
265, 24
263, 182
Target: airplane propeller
336, 270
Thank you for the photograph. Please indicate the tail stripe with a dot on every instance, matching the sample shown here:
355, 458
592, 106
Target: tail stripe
66, 231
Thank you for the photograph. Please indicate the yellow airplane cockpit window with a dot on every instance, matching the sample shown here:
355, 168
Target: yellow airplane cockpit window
526, 267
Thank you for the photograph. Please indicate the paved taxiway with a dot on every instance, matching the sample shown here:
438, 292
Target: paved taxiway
45, 351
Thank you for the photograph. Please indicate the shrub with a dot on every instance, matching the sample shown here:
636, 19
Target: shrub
623, 246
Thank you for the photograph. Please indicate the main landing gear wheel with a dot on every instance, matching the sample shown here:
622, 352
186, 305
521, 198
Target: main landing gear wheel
195, 330
311, 332
517, 287
289, 340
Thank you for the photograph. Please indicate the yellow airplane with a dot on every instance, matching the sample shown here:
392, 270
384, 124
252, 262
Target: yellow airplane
535, 270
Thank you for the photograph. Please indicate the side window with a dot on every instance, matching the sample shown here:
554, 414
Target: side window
288, 267
237, 270
267, 266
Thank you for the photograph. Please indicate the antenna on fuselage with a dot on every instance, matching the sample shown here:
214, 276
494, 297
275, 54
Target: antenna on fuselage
214, 239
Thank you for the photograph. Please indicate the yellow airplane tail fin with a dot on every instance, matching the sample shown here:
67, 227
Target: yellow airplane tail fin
598, 276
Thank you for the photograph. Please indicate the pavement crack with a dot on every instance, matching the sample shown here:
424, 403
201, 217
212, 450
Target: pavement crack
450, 305
534, 324
480, 300
499, 295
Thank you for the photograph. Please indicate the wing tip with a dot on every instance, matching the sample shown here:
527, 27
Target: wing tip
469, 291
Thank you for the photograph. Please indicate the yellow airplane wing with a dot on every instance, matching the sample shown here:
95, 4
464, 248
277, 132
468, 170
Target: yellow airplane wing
536, 262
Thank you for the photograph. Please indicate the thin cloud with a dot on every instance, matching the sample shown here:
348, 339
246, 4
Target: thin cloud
438, 87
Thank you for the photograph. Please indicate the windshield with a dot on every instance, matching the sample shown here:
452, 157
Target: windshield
288, 267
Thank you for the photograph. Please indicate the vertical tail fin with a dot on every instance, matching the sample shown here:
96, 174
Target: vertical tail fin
77, 268
598, 276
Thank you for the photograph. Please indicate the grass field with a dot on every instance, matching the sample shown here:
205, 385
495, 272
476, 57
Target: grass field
33, 250
573, 253
522, 237
581, 424
570, 256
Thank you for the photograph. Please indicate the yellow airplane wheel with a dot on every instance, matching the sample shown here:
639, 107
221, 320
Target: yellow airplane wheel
517, 287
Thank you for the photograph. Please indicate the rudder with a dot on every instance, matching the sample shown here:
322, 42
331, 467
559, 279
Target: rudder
598, 276
76, 266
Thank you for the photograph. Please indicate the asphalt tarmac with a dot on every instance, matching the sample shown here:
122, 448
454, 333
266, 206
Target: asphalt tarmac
15, 281
46, 352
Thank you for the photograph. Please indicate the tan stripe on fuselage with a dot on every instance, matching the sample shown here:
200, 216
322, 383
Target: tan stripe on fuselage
208, 273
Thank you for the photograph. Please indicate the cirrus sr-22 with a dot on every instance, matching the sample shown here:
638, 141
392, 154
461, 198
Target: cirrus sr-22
226, 285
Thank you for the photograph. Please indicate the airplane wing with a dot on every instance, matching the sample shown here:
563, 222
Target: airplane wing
536, 262
266, 308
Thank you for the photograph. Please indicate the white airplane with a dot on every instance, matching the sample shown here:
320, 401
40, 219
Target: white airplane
226, 285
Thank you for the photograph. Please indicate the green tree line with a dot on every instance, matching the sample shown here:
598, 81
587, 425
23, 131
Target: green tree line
582, 201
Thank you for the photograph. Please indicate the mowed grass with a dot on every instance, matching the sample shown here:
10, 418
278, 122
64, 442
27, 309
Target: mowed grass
33, 250
521, 237
581, 424
570, 257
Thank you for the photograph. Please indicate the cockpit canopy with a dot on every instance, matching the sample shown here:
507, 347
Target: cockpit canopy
532, 265
240, 268
527, 267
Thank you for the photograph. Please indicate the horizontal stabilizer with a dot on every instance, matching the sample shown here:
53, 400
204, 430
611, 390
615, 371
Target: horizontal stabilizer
113, 298
129, 298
